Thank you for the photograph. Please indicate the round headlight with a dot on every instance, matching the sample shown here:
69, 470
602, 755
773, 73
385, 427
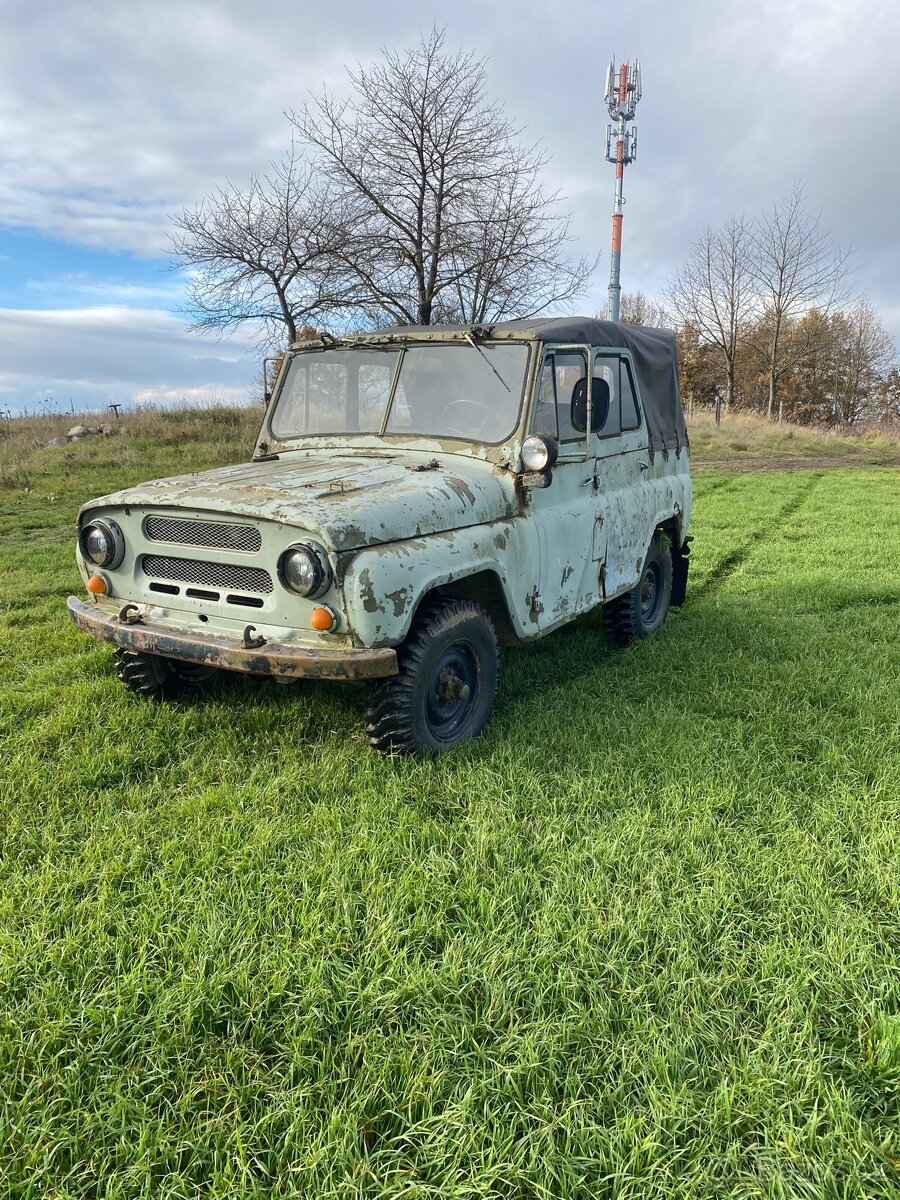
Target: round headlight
102, 543
539, 452
304, 570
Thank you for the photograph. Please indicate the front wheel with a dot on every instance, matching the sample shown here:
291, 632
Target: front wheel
444, 692
156, 678
644, 608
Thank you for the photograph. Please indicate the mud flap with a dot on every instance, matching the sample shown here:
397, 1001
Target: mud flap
680, 563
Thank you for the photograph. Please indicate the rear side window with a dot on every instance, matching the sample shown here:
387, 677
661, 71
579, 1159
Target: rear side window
615, 373
631, 418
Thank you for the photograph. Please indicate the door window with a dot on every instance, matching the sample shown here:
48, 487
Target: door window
561, 374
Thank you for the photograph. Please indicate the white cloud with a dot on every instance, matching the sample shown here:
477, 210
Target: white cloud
80, 289
138, 109
112, 353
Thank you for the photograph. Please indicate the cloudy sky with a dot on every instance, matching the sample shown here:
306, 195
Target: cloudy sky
113, 116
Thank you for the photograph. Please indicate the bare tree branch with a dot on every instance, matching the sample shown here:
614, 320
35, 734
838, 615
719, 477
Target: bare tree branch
263, 255
714, 292
796, 266
449, 220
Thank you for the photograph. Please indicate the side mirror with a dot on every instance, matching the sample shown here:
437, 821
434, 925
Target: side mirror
539, 455
600, 401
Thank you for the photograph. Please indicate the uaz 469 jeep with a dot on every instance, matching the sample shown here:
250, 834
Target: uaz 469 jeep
415, 496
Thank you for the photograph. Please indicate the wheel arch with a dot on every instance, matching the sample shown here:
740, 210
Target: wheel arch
481, 587
673, 528
384, 586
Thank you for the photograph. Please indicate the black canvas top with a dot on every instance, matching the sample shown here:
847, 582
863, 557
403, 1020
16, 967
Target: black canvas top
653, 355
652, 352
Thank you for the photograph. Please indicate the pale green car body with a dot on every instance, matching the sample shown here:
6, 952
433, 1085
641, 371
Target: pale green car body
398, 515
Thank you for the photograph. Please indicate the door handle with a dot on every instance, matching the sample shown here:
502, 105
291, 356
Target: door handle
644, 466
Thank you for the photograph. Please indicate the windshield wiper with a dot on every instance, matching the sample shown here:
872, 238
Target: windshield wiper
475, 346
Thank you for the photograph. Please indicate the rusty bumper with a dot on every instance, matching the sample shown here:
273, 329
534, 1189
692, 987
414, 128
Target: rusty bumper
274, 658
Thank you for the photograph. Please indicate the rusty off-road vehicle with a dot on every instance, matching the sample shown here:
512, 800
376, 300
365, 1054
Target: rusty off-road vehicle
415, 497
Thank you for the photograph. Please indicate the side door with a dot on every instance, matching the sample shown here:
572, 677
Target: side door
565, 513
621, 462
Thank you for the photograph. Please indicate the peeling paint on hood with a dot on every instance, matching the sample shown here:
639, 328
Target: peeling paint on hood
350, 500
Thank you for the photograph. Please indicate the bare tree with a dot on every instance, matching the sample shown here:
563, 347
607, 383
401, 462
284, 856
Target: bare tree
510, 261
448, 217
266, 255
796, 266
714, 293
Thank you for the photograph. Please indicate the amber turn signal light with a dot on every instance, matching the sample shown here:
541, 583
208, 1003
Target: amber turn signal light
322, 618
96, 585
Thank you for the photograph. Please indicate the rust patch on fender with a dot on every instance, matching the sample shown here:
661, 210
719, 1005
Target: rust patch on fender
398, 599
367, 591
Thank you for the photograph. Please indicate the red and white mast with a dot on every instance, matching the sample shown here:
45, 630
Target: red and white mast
623, 90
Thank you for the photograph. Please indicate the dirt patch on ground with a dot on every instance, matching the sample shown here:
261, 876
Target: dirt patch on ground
761, 463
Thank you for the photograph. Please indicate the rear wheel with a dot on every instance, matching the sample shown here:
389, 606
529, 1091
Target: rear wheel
642, 610
444, 692
156, 678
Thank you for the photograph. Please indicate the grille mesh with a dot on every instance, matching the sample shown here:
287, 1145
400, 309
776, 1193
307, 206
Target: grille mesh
207, 574
219, 535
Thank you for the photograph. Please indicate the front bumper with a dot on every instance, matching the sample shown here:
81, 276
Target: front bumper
274, 658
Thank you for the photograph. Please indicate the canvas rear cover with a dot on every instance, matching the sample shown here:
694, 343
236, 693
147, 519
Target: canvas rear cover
653, 353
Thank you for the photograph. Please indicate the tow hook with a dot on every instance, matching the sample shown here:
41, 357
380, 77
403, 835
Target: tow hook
130, 614
250, 642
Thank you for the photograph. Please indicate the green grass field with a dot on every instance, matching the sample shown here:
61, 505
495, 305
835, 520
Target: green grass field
639, 940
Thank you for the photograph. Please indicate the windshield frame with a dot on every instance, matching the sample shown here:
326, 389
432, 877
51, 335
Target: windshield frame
397, 437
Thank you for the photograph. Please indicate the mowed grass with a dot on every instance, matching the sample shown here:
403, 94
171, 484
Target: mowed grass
639, 940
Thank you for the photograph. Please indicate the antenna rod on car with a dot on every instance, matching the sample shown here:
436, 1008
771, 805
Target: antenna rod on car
623, 91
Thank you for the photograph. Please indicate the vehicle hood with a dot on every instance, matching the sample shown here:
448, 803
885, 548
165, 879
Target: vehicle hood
351, 500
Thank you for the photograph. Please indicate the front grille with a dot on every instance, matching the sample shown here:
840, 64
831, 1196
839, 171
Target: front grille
218, 535
207, 574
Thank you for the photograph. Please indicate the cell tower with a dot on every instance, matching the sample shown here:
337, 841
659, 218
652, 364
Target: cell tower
623, 90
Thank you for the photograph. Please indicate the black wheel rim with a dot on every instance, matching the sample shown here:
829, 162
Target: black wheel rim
452, 692
651, 592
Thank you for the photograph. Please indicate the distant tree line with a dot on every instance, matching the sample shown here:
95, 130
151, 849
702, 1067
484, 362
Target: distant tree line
765, 323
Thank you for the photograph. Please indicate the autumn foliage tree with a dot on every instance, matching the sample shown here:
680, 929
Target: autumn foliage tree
768, 298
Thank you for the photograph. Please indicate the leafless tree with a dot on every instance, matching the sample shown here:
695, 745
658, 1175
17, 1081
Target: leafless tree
714, 293
796, 266
265, 255
448, 216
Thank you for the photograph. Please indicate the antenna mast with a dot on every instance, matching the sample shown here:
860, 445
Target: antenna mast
623, 90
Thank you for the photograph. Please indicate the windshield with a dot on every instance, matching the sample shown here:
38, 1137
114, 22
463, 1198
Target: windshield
472, 392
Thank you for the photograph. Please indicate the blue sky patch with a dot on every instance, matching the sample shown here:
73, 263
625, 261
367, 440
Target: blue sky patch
39, 272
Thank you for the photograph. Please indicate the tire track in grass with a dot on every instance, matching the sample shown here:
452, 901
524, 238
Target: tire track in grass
726, 567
